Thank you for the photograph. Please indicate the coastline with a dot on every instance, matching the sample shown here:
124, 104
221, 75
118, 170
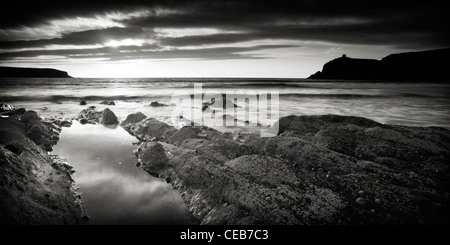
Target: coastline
318, 170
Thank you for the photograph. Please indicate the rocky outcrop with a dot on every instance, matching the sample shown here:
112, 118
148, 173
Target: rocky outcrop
132, 119
31, 72
156, 104
108, 117
318, 170
92, 116
107, 102
8, 110
35, 187
413, 66
150, 129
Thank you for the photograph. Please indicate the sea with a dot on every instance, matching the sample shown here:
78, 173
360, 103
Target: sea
409, 104
116, 191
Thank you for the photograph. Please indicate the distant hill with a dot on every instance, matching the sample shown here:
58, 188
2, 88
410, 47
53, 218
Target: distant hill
429, 65
31, 72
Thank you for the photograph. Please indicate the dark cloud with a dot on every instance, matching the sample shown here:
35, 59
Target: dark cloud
411, 25
146, 52
89, 37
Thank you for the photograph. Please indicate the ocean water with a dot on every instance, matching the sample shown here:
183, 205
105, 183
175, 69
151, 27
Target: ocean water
411, 104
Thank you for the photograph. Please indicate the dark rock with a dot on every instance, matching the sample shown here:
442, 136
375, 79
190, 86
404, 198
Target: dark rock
132, 119
15, 148
156, 104
30, 116
48, 147
91, 116
360, 201
108, 117
106, 102
28, 175
83, 102
151, 129
8, 110
154, 157
65, 123
20, 111
318, 170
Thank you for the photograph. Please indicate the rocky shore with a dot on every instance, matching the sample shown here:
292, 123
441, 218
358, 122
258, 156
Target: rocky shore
35, 187
318, 170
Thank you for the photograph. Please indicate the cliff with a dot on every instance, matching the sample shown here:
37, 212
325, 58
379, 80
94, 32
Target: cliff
413, 66
31, 72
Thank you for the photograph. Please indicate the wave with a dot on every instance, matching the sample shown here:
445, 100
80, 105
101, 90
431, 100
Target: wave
61, 98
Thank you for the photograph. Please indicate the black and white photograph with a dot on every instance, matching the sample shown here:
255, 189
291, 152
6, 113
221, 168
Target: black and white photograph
234, 113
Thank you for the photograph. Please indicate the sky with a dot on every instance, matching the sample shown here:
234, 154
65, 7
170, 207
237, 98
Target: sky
235, 38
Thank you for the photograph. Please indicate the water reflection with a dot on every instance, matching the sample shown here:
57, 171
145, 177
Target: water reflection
114, 190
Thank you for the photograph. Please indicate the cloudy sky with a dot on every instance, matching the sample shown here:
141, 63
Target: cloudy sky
236, 38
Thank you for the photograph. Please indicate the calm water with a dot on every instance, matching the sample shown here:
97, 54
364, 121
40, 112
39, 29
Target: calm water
113, 189
413, 104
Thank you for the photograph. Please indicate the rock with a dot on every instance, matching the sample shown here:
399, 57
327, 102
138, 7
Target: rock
61, 122
154, 158
317, 163
48, 147
156, 104
91, 116
83, 102
107, 102
360, 201
8, 110
15, 148
150, 129
6, 107
108, 117
28, 174
84, 121
132, 119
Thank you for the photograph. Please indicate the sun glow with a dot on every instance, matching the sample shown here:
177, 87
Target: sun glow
125, 42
